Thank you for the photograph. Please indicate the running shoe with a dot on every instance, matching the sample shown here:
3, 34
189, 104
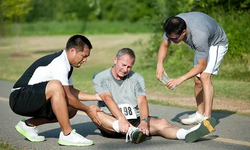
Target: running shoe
205, 127
29, 132
135, 135
195, 118
74, 139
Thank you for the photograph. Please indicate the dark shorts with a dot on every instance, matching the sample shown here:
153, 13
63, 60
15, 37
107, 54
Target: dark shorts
134, 122
31, 101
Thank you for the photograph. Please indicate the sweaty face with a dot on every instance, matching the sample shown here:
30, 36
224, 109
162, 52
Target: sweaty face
79, 57
123, 66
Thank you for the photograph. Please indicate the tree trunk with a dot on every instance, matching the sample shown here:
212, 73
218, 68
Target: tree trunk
17, 38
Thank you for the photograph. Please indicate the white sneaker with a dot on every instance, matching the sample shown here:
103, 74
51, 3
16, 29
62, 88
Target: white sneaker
73, 139
135, 135
29, 132
193, 119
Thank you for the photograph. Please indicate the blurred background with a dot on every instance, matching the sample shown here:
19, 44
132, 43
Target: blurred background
32, 28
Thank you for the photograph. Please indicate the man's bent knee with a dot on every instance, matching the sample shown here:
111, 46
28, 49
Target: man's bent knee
160, 123
197, 80
205, 77
54, 87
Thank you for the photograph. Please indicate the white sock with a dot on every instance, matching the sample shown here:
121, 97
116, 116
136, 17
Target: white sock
181, 133
115, 126
194, 128
205, 118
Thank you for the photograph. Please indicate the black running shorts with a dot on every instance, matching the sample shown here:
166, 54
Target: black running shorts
31, 101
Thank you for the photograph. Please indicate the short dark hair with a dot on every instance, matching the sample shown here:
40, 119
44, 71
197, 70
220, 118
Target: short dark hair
124, 51
174, 25
78, 42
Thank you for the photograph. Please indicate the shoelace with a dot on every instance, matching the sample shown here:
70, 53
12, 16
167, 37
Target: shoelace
128, 136
76, 134
192, 115
36, 133
36, 130
73, 132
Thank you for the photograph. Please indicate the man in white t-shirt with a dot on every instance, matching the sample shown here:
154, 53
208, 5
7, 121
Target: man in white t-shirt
45, 93
125, 107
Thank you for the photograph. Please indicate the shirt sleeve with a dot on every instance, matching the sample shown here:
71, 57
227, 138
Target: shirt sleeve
100, 84
140, 88
165, 37
60, 72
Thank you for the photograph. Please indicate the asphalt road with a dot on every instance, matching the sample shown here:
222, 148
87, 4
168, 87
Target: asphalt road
232, 131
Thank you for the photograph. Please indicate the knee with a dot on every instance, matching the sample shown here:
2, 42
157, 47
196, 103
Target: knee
197, 80
54, 86
163, 123
205, 78
94, 108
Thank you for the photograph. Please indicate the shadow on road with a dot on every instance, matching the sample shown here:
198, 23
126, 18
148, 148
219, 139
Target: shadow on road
216, 114
84, 129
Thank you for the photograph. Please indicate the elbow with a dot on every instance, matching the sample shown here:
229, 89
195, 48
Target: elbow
105, 98
203, 68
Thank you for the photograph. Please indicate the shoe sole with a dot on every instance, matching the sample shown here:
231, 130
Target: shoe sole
195, 123
21, 131
138, 137
73, 144
206, 127
192, 123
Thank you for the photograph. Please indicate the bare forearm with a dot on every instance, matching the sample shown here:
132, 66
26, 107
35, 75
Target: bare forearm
143, 107
83, 96
193, 72
114, 109
162, 53
75, 103
87, 97
72, 99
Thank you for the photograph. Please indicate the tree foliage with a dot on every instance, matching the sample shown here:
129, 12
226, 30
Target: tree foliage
58, 10
232, 15
15, 10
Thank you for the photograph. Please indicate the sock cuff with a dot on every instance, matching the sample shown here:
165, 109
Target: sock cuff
115, 126
181, 134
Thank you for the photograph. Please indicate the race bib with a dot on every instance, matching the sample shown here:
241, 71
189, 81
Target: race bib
128, 111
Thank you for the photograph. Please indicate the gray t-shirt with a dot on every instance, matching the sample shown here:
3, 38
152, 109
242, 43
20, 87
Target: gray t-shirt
202, 32
123, 91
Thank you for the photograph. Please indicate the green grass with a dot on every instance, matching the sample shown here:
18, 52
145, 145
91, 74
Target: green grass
6, 146
105, 47
164, 103
72, 27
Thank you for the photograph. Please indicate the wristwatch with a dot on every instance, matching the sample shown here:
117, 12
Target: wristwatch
144, 119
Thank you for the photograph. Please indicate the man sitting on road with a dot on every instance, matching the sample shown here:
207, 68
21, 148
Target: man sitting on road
125, 107
45, 92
